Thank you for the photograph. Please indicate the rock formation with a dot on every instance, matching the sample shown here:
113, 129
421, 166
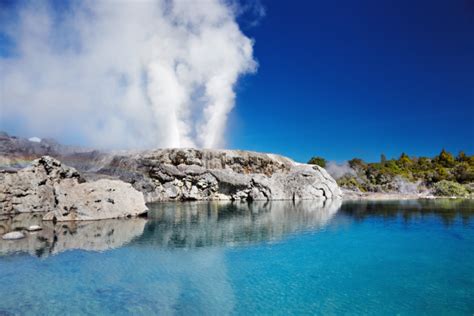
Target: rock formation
192, 174
48, 186
187, 174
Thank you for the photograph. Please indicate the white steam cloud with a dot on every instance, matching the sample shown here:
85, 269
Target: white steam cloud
339, 170
126, 73
405, 187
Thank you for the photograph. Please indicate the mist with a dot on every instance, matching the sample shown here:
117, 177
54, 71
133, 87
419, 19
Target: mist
135, 74
405, 187
339, 170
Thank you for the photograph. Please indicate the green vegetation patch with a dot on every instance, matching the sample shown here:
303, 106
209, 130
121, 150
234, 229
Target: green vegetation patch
444, 174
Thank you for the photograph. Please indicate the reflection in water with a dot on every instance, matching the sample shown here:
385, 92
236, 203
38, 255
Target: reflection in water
189, 225
183, 282
198, 280
178, 261
53, 239
172, 225
446, 209
208, 224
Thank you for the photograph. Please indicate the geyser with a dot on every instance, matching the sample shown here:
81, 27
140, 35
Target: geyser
126, 74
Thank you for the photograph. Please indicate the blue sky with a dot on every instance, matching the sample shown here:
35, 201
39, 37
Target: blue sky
343, 79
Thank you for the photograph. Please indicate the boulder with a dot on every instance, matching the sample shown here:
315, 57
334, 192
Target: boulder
32, 189
48, 186
101, 199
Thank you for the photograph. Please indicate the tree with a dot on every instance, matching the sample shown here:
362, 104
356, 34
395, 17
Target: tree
357, 163
320, 161
404, 161
445, 159
383, 159
462, 157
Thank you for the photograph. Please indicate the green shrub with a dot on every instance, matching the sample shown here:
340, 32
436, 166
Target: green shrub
469, 187
463, 172
357, 164
350, 183
449, 188
320, 161
445, 159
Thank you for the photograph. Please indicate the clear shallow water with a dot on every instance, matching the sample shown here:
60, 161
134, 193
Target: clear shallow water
411, 257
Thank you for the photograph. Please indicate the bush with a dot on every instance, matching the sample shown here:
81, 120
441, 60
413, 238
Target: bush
464, 173
445, 159
449, 188
320, 161
470, 188
350, 183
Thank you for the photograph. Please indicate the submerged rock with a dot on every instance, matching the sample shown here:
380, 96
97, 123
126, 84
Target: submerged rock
48, 186
34, 228
13, 236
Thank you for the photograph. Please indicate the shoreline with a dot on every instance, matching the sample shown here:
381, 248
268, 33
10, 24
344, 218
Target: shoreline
379, 196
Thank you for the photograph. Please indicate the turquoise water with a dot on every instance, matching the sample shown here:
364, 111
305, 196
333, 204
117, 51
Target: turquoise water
280, 258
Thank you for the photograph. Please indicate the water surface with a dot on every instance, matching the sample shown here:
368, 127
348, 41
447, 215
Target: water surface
399, 257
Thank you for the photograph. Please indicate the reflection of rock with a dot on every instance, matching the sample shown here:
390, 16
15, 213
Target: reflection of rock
52, 239
192, 224
219, 223
49, 186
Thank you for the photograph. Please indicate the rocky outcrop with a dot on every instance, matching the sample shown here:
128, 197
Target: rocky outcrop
192, 174
48, 186
186, 174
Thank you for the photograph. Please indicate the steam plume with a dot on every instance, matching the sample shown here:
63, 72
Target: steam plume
127, 73
340, 170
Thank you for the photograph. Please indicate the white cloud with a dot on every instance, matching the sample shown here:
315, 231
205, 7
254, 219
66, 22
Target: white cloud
127, 74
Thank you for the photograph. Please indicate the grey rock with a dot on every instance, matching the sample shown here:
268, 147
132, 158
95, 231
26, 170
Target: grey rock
13, 236
34, 228
102, 199
186, 174
32, 189
48, 186
192, 174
